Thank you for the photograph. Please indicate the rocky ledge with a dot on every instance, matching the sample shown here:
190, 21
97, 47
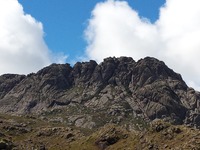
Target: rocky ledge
118, 90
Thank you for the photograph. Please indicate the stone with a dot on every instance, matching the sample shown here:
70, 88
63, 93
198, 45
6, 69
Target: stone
116, 87
5, 144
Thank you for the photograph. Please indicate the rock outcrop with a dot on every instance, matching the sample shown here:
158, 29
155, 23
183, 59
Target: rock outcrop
119, 89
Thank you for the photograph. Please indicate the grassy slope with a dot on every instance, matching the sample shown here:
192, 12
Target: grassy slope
27, 132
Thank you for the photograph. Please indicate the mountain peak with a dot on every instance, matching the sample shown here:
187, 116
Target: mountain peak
116, 88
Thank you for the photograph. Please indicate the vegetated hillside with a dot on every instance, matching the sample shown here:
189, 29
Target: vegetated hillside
89, 97
29, 132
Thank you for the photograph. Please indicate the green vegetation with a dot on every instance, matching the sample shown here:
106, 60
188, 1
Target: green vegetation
29, 132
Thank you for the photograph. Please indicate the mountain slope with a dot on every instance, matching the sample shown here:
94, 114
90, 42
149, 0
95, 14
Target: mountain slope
119, 90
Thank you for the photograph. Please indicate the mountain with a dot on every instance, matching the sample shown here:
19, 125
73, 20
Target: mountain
110, 105
119, 89
117, 86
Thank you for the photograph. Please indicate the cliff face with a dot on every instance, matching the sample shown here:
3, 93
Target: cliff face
117, 90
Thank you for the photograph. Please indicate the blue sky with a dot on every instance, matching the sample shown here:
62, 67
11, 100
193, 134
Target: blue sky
64, 21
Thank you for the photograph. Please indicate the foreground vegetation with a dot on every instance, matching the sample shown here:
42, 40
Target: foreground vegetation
29, 132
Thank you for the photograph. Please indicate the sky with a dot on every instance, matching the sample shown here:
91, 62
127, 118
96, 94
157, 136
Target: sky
34, 34
64, 21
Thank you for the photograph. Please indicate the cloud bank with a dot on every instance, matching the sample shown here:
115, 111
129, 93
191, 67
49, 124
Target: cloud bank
22, 47
115, 29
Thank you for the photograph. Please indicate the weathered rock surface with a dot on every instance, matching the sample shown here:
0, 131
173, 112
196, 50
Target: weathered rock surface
117, 90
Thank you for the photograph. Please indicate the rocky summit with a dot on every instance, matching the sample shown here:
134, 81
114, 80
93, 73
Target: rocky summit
89, 96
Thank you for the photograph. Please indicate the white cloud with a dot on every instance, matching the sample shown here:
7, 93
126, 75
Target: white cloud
115, 29
22, 47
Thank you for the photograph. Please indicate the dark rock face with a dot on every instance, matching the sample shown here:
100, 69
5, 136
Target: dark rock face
118, 87
8, 81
